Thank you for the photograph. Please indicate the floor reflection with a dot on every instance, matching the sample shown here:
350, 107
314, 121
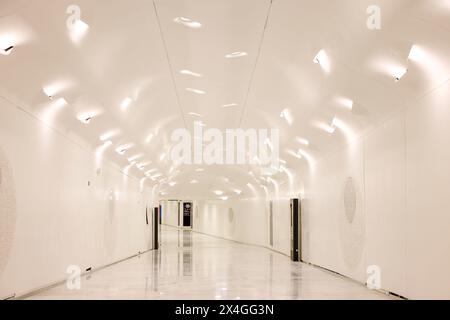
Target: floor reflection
195, 266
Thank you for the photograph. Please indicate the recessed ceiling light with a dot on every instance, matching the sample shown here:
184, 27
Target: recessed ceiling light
224, 198
126, 103
188, 22
149, 138
86, 117
237, 191
7, 51
347, 103
142, 165
108, 135
286, 115
134, 158
199, 170
190, 73
331, 129
50, 91
197, 91
294, 154
416, 53
194, 114
218, 192
399, 73
172, 184
194, 181
124, 148
236, 54
322, 59
303, 141
230, 105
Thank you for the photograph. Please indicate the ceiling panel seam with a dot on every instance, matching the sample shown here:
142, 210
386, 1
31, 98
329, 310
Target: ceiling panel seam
172, 75
258, 55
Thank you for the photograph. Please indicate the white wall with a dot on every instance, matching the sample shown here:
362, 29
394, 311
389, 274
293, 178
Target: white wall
170, 212
401, 174
49, 217
245, 221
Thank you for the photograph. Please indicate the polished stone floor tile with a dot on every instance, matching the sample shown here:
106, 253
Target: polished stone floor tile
195, 267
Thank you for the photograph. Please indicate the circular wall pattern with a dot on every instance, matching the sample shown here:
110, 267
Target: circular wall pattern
230, 215
351, 224
110, 226
350, 200
7, 210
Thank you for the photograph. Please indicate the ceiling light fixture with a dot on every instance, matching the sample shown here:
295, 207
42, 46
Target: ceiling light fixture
303, 141
7, 51
86, 118
149, 138
124, 148
416, 53
218, 192
322, 59
399, 73
199, 170
330, 129
172, 184
347, 103
236, 54
333, 126
295, 154
230, 105
286, 115
194, 181
126, 103
188, 22
134, 158
190, 73
196, 91
194, 114
107, 135
49, 91
142, 165
224, 198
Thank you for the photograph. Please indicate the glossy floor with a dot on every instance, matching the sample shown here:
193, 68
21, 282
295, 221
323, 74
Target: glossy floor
195, 266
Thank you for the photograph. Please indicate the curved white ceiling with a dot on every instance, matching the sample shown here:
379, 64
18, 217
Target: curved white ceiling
141, 73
